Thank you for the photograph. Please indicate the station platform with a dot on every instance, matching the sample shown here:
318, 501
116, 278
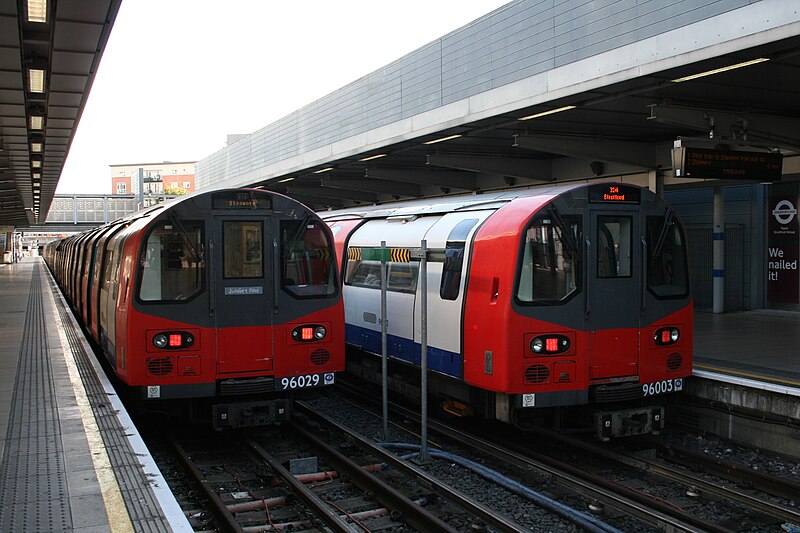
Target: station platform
70, 457
745, 385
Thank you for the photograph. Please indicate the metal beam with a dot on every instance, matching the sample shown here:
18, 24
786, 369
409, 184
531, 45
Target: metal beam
437, 178
374, 185
638, 154
743, 129
328, 192
527, 168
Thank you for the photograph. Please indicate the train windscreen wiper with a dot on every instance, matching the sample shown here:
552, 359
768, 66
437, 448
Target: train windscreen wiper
192, 250
566, 234
668, 216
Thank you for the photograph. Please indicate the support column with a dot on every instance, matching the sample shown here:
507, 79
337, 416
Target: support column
718, 251
655, 182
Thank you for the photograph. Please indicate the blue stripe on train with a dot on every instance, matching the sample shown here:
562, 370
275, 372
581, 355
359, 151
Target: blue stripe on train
443, 361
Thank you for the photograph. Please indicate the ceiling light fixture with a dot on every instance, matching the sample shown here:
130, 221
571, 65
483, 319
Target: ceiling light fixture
723, 69
36, 148
456, 136
36, 163
36, 122
35, 80
320, 171
370, 158
285, 180
37, 11
551, 112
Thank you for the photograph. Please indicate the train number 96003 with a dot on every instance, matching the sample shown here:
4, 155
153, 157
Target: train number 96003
662, 387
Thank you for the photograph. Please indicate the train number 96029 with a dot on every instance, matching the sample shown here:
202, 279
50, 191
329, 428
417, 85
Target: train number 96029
306, 381
662, 387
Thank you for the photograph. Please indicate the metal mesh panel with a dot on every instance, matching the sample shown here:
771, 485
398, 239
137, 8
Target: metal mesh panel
701, 266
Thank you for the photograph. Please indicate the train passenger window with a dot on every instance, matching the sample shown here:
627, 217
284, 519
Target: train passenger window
667, 271
401, 277
243, 249
364, 273
454, 259
172, 262
551, 262
307, 259
614, 236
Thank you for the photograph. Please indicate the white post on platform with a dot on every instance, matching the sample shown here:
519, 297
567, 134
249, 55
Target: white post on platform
718, 251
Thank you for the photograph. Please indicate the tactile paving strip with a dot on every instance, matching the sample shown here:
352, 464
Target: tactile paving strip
33, 484
144, 511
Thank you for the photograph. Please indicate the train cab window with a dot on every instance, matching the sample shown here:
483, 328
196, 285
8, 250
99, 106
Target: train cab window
551, 263
243, 249
667, 271
613, 244
172, 262
307, 259
454, 259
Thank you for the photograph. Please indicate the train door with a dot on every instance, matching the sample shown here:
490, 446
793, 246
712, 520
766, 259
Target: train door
242, 293
614, 291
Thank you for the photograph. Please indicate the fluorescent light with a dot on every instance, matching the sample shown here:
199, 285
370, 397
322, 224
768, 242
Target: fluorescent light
723, 69
36, 147
37, 10
320, 171
36, 122
36, 163
285, 180
35, 80
36, 175
552, 111
370, 158
443, 139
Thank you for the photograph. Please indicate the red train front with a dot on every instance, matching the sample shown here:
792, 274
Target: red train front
230, 296
560, 303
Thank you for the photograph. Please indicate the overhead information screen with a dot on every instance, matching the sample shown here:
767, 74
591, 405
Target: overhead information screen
707, 163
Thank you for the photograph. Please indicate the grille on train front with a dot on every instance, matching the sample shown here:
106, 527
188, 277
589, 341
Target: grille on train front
231, 387
617, 392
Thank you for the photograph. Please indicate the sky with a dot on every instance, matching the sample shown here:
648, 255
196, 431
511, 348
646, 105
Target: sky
178, 76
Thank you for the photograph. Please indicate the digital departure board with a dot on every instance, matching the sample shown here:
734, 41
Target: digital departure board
708, 163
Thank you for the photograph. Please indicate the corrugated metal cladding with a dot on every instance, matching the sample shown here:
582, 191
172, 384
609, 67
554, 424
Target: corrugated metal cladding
516, 41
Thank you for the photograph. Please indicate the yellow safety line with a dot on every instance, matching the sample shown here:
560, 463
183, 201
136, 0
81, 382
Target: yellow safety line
119, 520
760, 377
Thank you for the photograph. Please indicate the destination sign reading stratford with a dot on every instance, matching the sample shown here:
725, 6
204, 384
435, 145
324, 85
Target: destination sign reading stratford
614, 193
241, 200
726, 164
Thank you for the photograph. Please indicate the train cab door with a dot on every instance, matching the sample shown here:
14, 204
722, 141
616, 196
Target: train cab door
614, 285
241, 293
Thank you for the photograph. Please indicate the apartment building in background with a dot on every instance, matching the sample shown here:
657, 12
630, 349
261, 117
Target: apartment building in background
142, 179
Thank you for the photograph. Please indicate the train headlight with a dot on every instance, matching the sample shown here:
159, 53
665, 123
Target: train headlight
160, 341
666, 336
320, 332
537, 345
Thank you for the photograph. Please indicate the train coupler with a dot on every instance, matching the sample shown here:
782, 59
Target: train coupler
249, 414
628, 422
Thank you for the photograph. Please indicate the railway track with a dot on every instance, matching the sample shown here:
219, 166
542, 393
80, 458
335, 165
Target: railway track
294, 479
614, 483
